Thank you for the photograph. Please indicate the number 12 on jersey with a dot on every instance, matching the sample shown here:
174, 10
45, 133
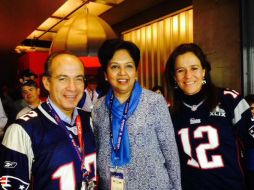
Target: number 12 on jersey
201, 150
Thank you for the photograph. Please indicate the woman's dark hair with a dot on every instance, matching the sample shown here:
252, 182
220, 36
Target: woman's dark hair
109, 47
210, 91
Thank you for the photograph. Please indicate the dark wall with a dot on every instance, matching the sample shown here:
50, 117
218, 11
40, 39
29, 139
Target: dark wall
8, 71
217, 30
158, 11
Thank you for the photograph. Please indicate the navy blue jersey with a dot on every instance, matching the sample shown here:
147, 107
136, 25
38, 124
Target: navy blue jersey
209, 143
37, 153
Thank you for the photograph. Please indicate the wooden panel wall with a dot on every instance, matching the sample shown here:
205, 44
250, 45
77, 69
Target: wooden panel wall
156, 41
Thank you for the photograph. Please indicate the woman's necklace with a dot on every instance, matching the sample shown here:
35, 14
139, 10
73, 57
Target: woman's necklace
194, 107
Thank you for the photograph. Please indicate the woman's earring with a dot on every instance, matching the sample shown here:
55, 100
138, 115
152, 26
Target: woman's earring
203, 81
106, 79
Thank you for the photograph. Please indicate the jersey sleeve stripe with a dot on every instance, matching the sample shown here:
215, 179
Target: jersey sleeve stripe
239, 110
17, 139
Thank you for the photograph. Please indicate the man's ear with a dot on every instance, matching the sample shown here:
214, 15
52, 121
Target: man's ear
46, 82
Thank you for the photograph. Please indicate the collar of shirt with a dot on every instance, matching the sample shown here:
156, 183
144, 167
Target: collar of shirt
62, 115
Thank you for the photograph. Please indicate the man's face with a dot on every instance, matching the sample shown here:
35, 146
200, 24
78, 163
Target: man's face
66, 83
30, 94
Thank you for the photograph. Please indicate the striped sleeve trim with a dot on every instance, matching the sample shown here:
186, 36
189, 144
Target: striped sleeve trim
17, 139
239, 110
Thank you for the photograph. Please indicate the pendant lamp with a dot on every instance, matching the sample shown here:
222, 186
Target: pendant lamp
82, 34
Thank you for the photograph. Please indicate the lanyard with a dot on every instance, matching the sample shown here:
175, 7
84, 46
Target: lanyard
80, 135
124, 119
80, 152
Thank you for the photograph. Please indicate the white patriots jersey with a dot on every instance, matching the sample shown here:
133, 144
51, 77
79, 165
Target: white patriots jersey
36, 153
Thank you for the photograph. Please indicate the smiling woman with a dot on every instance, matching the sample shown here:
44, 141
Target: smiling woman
208, 122
189, 73
133, 129
121, 74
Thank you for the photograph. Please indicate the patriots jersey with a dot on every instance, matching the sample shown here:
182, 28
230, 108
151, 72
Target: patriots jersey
36, 153
209, 143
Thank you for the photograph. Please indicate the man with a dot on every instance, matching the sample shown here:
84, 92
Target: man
52, 147
19, 102
90, 96
30, 93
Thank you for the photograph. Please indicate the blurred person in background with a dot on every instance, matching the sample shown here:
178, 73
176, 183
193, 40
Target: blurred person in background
90, 96
250, 99
27, 74
19, 102
31, 94
159, 90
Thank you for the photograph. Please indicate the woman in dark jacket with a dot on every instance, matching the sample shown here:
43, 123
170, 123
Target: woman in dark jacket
208, 121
